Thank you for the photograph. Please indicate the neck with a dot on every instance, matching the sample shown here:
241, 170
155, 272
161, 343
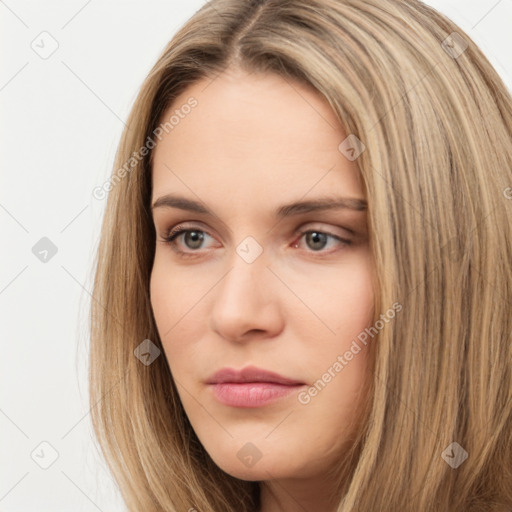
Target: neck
293, 495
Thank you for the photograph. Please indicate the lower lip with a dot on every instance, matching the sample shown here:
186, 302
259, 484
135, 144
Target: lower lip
251, 394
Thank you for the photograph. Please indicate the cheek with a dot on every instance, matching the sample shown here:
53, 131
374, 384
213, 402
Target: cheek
176, 301
160, 299
357, 294
355, 300
171, 291
165, 303
343, 302
341, 299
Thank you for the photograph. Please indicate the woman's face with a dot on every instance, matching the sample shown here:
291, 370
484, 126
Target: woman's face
247, 285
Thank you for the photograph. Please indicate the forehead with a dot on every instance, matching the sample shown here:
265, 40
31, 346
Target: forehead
252, 136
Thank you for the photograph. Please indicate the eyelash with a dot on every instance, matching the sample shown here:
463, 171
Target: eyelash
174, 233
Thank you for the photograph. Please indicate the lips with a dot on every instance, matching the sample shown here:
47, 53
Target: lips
251, 387
250, 374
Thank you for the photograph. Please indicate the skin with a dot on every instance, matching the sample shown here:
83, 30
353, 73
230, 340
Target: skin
253, 143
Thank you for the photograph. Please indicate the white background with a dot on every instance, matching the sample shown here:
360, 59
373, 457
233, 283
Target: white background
61, 120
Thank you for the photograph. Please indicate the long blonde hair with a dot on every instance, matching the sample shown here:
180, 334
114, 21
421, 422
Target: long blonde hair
436, 123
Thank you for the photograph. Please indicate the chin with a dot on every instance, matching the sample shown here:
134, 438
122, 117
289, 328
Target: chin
265, 468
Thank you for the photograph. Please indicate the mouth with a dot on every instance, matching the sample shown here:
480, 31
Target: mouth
251, 394
251, 387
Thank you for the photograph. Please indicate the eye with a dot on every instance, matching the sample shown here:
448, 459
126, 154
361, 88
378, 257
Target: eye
317, 240
193, 239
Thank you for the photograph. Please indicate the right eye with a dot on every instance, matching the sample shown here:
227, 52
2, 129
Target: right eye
192, 237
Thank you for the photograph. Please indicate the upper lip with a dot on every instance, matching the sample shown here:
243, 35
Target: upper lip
249, 374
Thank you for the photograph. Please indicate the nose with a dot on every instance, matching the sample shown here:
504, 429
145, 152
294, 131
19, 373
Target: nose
247, 302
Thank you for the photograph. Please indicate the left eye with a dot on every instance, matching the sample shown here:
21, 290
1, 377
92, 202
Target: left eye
320, 238
193, 238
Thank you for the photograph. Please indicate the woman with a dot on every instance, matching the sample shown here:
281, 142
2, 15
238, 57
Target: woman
237, 365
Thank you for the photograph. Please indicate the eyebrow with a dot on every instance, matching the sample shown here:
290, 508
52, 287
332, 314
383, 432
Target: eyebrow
287, 210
